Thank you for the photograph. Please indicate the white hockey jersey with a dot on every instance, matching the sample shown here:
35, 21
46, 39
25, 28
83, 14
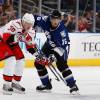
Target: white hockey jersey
15, 27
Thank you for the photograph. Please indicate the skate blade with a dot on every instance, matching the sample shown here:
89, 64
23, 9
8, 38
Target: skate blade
44, 91
7, 92
75, 93
18, 91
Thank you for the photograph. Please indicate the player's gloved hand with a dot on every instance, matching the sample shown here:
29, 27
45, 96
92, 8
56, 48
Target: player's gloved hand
52, 58
52, 44
41, 59
59, 50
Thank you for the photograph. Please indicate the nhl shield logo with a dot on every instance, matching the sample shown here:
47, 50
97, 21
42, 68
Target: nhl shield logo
63, 34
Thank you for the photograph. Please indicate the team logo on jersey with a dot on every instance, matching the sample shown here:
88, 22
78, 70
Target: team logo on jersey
63, 34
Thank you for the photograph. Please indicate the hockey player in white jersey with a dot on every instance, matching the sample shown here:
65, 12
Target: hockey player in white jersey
10, 35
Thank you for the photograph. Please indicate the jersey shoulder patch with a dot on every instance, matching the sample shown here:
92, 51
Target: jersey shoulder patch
63, 33
45, 18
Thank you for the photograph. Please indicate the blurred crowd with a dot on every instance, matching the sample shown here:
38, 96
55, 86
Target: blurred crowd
85, 20
7, 11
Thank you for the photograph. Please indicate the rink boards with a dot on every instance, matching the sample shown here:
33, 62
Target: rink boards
84, 49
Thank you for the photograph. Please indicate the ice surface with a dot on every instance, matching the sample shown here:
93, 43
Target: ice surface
88, 80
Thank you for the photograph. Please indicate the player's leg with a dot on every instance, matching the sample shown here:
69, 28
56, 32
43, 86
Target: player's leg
18, 71
67, 75
43, 75
42, 72
66, 72
8, 74
7, 55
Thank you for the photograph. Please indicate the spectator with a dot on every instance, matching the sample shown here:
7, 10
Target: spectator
4, 19
8, 9
82, 24
1, 11
1, 2
69, 21
7, 12
89, 16
98, 22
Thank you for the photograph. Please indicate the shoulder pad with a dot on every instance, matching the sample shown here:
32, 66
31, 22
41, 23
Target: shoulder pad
39, 18
45, 18
17, 23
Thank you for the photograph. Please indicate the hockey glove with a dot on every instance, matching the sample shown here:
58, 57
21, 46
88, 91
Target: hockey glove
42, 60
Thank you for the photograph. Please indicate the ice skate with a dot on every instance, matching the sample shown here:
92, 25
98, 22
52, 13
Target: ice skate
7, 89
46, 88
74, 90
18, 88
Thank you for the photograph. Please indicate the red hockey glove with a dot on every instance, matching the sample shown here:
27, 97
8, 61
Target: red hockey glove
40, 59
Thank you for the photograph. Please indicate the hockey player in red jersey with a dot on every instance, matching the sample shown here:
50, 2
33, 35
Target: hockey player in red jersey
10, 35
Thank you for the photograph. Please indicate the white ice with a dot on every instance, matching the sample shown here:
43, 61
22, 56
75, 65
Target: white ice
88, 80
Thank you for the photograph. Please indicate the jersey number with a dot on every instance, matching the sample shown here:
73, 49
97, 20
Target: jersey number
12, 29
64, 41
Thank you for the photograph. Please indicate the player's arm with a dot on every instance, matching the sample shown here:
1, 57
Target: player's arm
30, 41
31, 49
40, 21
9, 31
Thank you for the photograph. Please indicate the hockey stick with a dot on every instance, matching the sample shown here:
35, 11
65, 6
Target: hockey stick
57, 78
61, 78
40, 52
